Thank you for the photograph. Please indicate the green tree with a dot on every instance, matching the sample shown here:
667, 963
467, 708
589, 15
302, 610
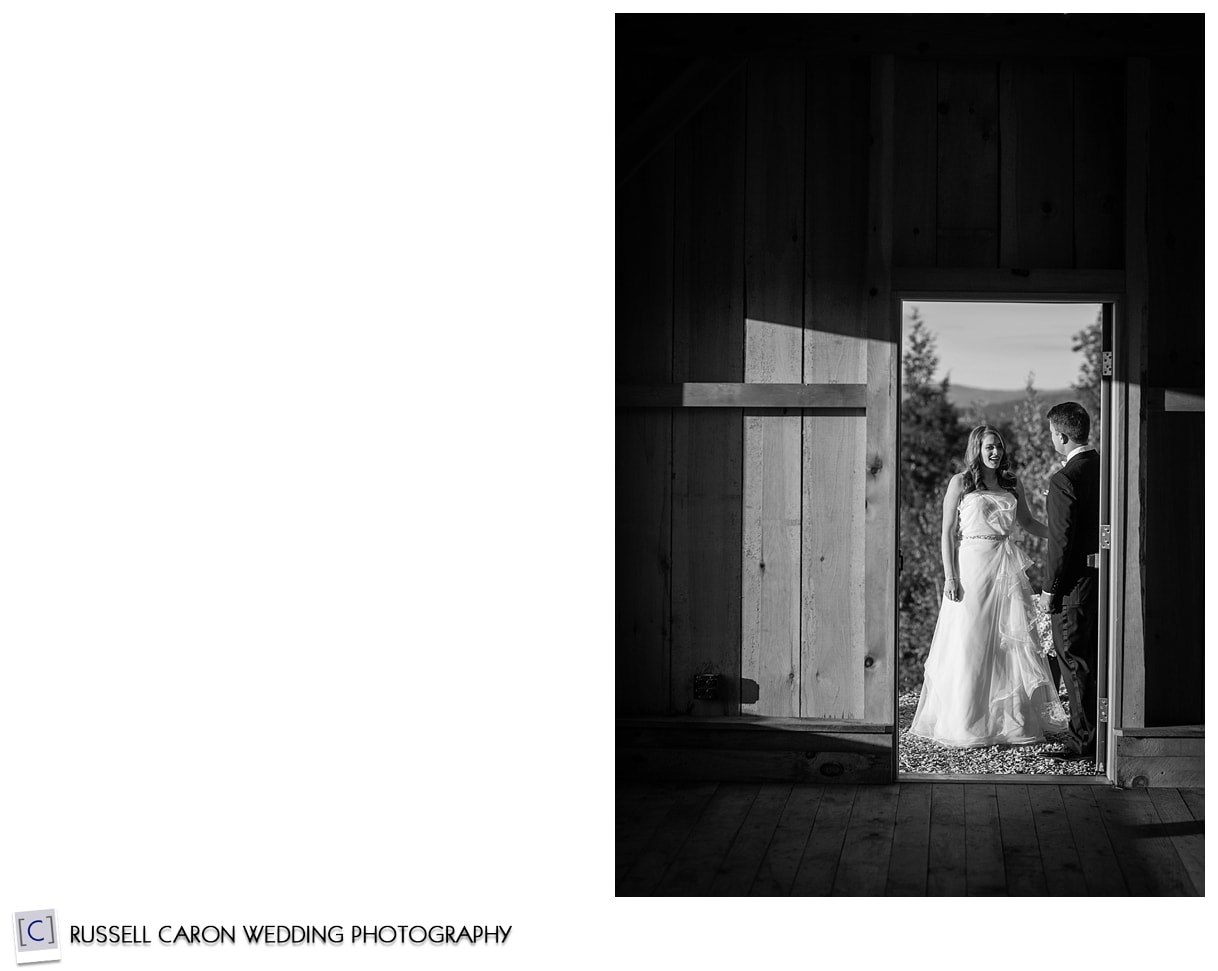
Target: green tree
932, 446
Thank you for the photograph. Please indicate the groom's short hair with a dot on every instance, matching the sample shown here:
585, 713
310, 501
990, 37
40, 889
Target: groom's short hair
1072, 418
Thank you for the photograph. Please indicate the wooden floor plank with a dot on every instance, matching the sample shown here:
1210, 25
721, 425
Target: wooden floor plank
639, 812
1195, 800
668, 838
945, 876
1186, 833
910, 844
743, 859
818, 866
867, 848
1095, 851
781, 861
1144, 851
984, 869
908, 839
693, 869
1058, 856
1025, 875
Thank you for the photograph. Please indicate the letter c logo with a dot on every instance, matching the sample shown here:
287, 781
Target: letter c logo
28, 930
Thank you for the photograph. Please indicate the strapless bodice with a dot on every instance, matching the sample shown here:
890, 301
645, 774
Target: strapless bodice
987, 514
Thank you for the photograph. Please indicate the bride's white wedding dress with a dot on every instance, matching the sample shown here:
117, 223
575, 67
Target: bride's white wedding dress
986, 681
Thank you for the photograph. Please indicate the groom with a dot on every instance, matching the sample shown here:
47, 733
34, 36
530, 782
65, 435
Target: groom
1071, 586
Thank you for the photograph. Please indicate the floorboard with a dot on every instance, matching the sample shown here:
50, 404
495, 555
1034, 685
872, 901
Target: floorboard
1144, 851
910, 844
638, 816
778, 866
1021, 859
1058, 855
1095, 852
743, 859
818, 866
945, 877
667, 839
1195, 800
984, 870
1186, 833
908, 839
867, 848
693, 870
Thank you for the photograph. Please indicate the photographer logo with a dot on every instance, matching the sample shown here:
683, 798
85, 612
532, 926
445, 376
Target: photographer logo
35, 936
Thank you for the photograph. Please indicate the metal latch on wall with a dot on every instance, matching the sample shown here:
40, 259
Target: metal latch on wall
1105, 537
1103, 703
1107, 364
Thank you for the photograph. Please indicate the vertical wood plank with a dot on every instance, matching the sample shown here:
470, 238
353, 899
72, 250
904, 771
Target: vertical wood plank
968, 163
774, 270
883, 353
1058, 856
867, 848
707, 443
1099, 163
915, 224
986, 872
644, 438
1146, 856
694, 866
1187, 835
780, 863
1095, 852
668, 839
1043, 165
945, 876
833, 641
1020, 849
1174, 655
1008, 153
822, 853
735, 875
1133, 374
910, 843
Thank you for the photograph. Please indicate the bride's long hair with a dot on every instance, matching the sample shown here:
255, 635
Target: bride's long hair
974, 477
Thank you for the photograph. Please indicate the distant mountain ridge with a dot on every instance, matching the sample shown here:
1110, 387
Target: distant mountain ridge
1000, 405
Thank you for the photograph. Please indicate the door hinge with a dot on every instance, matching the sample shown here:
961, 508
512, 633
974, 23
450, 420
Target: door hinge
1103, 710
1105, 537
1107, 364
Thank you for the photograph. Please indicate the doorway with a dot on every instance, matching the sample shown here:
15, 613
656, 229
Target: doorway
969, 362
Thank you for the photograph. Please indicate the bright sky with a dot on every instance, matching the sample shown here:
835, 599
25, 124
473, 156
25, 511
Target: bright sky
994, 345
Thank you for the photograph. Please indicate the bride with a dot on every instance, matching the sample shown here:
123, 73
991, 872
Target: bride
986, 682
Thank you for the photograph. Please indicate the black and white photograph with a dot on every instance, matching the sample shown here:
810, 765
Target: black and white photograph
910, 465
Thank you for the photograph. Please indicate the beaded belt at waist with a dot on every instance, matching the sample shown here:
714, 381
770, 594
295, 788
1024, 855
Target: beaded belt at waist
993, 536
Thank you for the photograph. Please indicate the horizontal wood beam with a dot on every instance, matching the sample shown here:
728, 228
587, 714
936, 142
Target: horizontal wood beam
747, 748
1168, 731
1008, 284
848, 399
1175, 399
757, 723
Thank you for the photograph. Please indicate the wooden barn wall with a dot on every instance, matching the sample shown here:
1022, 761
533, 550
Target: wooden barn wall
643, 554
1009, 162
743, 256
1174, 509
742, 247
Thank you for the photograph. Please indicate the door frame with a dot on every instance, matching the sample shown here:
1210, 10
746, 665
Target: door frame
1104, 287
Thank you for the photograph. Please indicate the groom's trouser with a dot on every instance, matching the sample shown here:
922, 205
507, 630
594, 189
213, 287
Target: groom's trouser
1074, 639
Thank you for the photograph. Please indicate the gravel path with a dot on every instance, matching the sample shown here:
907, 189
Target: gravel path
923, 755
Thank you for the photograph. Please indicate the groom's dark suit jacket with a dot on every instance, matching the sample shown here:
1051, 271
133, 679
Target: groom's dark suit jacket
1074, 514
